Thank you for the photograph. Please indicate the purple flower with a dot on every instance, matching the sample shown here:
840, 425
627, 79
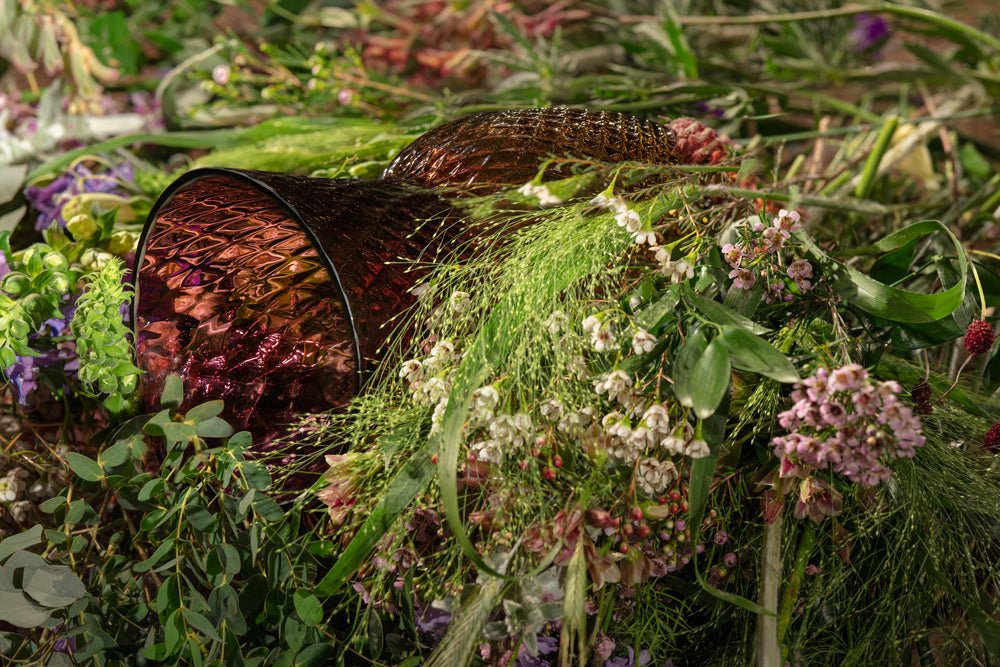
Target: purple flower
733, 254
49, 199
23, 377
869, 31
4, 266
721, 537
644, 659
434, 622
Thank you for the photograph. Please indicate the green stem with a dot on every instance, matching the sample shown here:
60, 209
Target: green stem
768, 647
870, 170
791, 592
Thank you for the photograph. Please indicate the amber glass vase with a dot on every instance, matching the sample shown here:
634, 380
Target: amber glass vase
274, 292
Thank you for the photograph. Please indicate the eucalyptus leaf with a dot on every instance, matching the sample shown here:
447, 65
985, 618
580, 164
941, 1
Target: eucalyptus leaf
23, 540
308, 607
53, 585
17, 610
85, 468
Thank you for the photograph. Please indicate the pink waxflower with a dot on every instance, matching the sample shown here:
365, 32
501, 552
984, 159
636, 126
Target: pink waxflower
743, 279
846, 421
733, 254
787, 221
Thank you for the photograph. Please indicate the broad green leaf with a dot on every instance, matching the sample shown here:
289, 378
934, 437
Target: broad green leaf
308, 607
85, 468
396, 497
892, 303
17, 610
699, 488
53, 585
314, 655
201, 624
115, 455
653, 314
710, 379
683, 371
23, 540
213, 427
200, 413
754, 354
720, 314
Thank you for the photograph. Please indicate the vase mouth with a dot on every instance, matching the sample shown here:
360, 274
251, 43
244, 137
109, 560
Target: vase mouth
235, 292
250, 177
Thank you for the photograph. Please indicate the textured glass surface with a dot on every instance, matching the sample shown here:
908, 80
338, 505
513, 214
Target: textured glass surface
232, 295
487, 150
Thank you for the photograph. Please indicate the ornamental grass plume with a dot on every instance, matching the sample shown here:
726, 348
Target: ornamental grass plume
850, 422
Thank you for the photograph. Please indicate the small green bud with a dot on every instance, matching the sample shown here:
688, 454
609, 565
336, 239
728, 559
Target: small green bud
82, 226
15, 283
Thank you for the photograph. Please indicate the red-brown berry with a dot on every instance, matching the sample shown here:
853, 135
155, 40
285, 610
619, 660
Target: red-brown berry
921, 396
549, 473
643, 531
557, 461
992, 438
979, 337
636, 514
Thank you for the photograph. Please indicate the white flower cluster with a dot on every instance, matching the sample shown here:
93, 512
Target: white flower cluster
632, 437
677, 271
507, 433
540, 192
655, 476
13, 485
627, 217
601, 336
429, 381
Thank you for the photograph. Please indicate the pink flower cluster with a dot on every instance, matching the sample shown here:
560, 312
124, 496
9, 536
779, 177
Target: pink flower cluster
758, 255
846, 420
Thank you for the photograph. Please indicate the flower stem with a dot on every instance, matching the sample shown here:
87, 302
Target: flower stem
791, 592
768, 649
870, 171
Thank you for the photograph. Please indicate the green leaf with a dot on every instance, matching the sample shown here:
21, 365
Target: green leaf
687, 358
145, 565
650, 316
376, 636
17, 610
756, 355
214, 427
53, 585
173, 392
267, 508
710, 379
991, 374
308, 607
720, 314
201, 624
23, 540
314, 655
396, 497
699, 488
200, 413
85, 468
891, 303
115, 455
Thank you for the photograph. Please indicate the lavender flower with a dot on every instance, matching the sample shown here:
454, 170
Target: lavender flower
869, 31
49, 199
